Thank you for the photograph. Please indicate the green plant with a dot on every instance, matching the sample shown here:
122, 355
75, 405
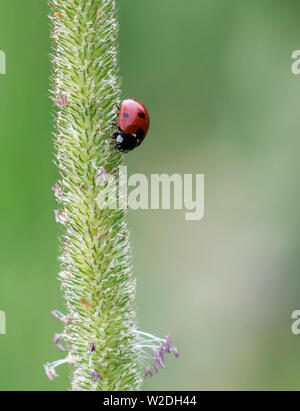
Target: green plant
104, 347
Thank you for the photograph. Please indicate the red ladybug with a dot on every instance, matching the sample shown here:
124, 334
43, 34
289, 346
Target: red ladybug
133, 124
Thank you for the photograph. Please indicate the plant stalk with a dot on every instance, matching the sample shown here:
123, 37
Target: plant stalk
96, 269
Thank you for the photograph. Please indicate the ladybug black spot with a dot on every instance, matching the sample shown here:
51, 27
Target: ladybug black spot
125, 115
140, 133
143, 115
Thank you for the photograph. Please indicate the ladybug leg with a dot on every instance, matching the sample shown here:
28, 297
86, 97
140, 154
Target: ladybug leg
115, 125
115, 135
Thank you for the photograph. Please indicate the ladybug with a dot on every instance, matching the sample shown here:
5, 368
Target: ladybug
133, 125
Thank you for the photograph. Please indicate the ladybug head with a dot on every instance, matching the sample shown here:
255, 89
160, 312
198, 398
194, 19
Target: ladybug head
125, 142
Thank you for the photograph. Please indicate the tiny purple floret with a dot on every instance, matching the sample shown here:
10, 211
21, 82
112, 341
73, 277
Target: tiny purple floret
92, 346
54, 313
175, 351
168, 343
103, 173
50, 372
95, 377
61, 100
57, 342
162, 353
57, 190
156, 365
149, 372
59, 218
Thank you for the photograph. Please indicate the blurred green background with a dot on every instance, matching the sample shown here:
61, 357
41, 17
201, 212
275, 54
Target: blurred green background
216, 78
